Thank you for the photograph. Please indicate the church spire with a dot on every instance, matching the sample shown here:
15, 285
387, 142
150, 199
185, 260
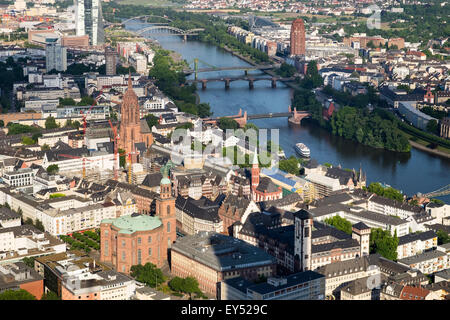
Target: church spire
255, 158
130, 84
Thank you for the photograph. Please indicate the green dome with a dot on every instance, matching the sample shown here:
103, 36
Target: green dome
165, 181
133, 223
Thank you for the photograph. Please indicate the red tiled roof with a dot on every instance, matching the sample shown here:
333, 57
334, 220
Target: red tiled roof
413, 293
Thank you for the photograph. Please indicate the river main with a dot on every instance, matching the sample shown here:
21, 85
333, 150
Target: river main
413, 172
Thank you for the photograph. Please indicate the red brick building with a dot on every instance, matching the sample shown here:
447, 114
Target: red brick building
298, 37
17, 276
130, 240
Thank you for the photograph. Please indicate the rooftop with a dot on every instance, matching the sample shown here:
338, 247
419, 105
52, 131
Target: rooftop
221, 252
425, 256
134, 223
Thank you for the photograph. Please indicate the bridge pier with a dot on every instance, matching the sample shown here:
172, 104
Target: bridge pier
274, 83
251, 84
246, 72
204, 85
227, 84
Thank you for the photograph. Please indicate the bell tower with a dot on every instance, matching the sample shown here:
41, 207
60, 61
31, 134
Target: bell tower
303, 222
165, 209
255, 170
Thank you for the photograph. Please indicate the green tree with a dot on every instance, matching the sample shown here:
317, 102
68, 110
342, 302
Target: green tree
227, 123
443, 237
190, 286
39, 225
27, 141
340, 224
16, 295
176, 284
66, 102
29, 261
87, 101
2, 123
50, 123
122, 159
53, 169
148, 274
382, 242
290, 165
433, 126
151, 120
50, 296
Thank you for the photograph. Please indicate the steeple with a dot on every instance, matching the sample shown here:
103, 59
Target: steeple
255, 158
255, 170
130, 84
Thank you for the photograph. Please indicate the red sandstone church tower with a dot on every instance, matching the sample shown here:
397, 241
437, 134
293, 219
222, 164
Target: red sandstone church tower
255, 170
298, 37
132, 129
165, 210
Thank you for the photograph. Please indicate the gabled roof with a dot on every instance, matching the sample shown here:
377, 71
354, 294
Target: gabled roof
423, 236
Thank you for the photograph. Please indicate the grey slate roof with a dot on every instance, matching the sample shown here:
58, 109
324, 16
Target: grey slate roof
8, 214
422, 257
221, 252
202, 208
423, 236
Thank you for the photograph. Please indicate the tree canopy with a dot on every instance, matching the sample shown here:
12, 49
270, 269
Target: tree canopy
340, 224
382, 242
50, 123
16, 295
148, 274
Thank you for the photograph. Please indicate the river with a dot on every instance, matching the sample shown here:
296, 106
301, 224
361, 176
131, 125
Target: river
414, 172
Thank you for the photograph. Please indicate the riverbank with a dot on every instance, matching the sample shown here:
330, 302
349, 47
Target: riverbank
428, 150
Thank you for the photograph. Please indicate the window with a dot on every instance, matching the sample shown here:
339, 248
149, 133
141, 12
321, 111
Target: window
149, 239
168, 209
123, 243
139, 240
123, 255
150, 252
139, 256
168, 226
106, 248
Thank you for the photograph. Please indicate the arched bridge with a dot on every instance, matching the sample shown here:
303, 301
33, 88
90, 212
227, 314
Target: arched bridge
162, 30
251, 80
293, 116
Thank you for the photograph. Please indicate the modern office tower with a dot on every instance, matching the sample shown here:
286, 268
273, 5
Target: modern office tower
55, 55
298, 37
110, 60
89, 20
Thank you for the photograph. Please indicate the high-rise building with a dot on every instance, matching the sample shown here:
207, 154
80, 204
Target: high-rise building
55, 55
110, 60
298, 37
89, 20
